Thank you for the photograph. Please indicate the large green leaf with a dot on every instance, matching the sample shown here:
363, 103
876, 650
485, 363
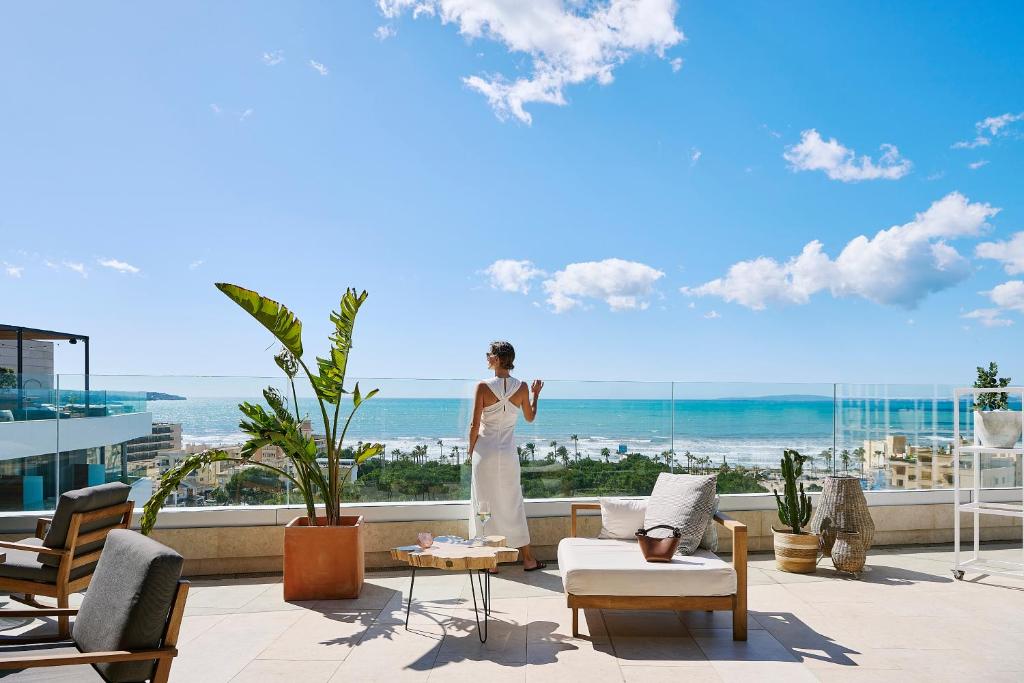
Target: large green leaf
171, 479
281, 322
331, 382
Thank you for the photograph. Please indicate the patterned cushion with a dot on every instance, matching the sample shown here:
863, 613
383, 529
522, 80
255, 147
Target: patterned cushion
621, 517
710, 539
685, 501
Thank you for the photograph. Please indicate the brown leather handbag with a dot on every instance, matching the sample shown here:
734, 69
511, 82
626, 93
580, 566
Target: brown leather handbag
659, 549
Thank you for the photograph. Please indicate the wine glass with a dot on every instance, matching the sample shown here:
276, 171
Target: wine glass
483, 513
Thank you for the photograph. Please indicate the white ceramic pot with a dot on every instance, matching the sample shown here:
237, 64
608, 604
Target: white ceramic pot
997, 428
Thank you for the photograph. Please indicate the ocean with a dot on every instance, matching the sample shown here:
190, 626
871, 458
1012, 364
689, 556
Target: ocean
739, 431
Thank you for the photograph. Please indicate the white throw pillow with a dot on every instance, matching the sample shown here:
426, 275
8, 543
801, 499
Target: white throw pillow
685, 501
621, 517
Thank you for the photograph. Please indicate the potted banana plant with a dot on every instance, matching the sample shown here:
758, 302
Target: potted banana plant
995, 425
796, 550
323, 552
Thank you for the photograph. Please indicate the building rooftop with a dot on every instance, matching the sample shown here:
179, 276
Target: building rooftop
904, 620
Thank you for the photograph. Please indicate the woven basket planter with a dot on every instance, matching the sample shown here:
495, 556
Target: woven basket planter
795, 553
842, 501
849, 553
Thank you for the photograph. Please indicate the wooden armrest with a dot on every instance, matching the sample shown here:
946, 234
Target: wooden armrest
32, 548
41, 612
731, 524
42, 524
85, 658
580, 506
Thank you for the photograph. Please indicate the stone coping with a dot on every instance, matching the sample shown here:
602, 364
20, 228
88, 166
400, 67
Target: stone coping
280, 515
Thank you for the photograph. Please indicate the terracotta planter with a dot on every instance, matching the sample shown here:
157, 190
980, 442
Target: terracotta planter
795, 553
323, 562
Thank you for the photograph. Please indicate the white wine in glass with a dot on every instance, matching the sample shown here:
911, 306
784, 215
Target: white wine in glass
483, 513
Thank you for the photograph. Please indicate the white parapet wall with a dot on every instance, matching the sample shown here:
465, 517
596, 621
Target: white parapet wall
26, 438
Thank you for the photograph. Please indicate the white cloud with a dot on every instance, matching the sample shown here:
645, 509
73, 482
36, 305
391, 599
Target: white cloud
677, 64
1009, 295
119, 266
510, 275
975, 165
245, 114
76, 267
938, 175
813, 153
712, 315
384, 31
1009, 252
989, 317
622, 285
900, 265
13, 270
215, 108
774, 133
195, 264
273, 58
568, 42
695, 155
318, 67
989, 128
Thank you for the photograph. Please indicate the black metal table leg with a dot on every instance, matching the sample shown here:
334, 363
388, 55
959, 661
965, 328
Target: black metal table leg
485, 597
408, 605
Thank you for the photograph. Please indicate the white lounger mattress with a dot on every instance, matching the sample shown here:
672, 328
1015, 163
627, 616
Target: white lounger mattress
600, 566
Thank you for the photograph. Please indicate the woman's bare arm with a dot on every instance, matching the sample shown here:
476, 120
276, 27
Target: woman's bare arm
529, 408
478, 409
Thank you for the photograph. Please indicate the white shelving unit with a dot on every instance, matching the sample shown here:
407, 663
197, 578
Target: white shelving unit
977, 506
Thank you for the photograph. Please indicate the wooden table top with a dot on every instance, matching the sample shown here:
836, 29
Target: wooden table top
457, 553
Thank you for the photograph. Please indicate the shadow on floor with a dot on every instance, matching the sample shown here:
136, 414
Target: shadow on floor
801, 641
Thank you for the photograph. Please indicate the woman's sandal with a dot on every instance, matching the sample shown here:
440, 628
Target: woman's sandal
539, 565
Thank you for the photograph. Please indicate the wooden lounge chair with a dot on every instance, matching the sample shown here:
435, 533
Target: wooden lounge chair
127, 626
61, 558
612, 574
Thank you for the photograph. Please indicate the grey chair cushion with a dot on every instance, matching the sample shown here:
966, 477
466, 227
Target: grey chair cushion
81, 500
685, 501
25, 565
128, 601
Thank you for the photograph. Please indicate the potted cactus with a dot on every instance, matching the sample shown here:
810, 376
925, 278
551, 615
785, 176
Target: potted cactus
796, 550
995, 425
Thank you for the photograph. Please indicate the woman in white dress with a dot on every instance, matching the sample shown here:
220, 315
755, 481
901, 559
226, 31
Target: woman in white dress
493, 451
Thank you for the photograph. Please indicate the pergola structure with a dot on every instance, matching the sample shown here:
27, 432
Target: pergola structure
23, 334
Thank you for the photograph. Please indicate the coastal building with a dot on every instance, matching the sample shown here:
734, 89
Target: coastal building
55, 441
164, 436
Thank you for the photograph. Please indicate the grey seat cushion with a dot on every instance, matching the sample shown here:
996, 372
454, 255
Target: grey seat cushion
25, 565
128, 601
81, 500
685, 501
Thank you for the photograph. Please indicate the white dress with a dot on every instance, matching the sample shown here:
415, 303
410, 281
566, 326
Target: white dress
496, 469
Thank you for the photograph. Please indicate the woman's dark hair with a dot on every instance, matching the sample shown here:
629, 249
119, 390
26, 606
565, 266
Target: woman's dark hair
505, 354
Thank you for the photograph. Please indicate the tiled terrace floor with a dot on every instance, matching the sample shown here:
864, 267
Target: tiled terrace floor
906, 620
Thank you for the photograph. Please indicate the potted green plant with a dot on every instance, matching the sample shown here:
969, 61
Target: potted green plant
323, 554
995, 425
795, 550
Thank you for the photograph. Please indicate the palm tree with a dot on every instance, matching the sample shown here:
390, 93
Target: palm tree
576, 445
607, 453
440, 447
554, 447
455, 454
689, 461
844, 455
565, 457
532, 448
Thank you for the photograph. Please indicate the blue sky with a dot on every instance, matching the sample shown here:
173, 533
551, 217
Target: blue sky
301, 148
